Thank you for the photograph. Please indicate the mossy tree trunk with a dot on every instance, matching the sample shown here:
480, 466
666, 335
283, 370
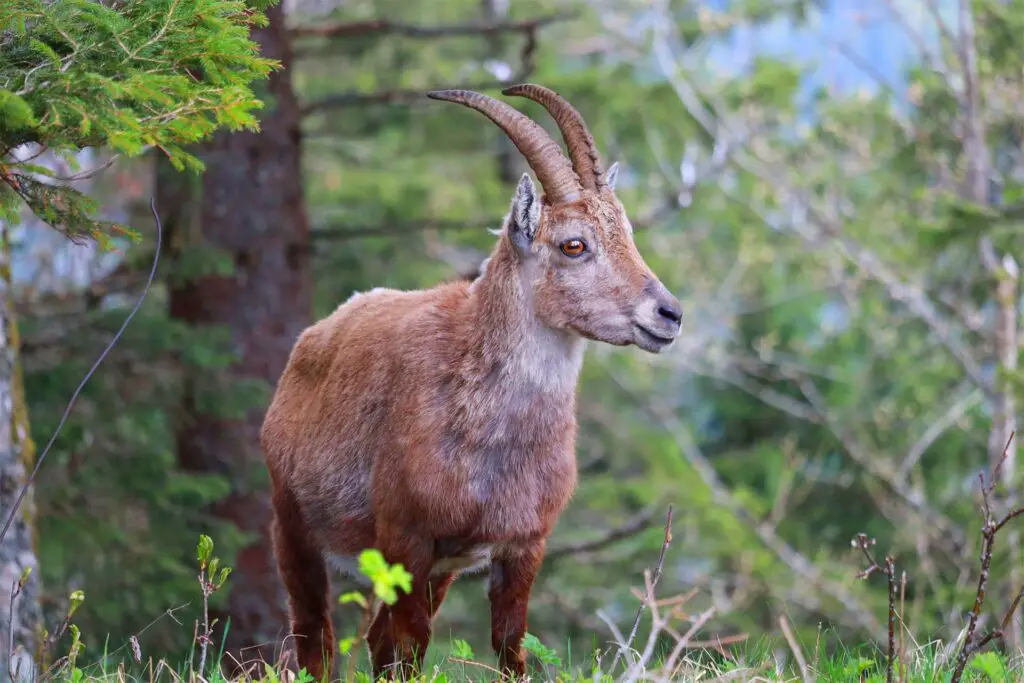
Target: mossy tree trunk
19, 627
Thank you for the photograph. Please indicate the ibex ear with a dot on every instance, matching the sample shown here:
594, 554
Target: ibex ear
525, 217
611, 175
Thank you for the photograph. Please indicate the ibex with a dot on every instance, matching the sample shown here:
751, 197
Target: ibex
438, 426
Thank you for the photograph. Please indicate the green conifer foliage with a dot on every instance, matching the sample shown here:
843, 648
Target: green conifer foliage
130, 75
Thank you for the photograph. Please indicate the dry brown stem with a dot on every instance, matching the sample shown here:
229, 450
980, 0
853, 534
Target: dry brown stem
888, 567
651, 585
990, 527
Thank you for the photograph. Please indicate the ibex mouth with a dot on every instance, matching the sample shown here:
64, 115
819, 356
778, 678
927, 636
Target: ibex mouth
649, 341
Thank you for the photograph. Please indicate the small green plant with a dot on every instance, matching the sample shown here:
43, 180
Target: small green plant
989, 664
386, 580
48, 641
212, 577
541, 651
461, 650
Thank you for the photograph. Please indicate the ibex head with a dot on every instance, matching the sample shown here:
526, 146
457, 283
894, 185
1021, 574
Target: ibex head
575, 243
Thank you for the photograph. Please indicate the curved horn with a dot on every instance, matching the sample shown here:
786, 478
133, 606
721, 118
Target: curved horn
545, 156
582, 149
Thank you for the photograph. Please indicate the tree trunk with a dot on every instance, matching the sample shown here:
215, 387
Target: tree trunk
249, 206
18, 627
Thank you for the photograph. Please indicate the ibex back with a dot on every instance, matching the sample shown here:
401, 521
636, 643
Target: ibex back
438, 426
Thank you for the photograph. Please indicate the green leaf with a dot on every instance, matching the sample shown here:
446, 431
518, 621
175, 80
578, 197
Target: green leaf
989, 664
345, 645
385, 578
372, 563
401, 578
224, 574
204, 550
461, 649
77, 598
353, 596
540, 650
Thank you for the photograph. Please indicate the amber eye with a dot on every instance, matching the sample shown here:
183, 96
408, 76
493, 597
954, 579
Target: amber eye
573, 248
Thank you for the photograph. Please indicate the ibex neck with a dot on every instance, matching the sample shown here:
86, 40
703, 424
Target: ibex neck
513, 338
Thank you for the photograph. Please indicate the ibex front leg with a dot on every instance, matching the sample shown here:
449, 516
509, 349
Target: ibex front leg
512, 577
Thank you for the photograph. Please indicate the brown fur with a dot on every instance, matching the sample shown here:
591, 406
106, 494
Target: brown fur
439, 425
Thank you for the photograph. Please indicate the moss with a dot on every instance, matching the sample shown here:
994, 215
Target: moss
21, 434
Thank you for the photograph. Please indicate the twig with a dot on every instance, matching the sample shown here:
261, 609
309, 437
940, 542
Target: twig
631, 527
945, 533
365, 622
15, 592
698, 623
204, 637
89, 173
391, 97
345, 231
903, 626
866, 261
890, 573
889, 569
67, 411
989, 529
650, 592
766, 533
133, 640
798, 654
639, 522
374, 27
527, 63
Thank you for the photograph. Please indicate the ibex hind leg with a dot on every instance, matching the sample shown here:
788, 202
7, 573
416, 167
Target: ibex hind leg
304, 573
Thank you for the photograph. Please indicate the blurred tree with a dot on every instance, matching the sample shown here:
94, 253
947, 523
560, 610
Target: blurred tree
877, 355
78, 74
247, 220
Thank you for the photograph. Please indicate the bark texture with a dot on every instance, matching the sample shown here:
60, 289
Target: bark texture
18, 627
248, 204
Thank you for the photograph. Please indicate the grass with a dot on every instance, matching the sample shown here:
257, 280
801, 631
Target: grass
928, 663
668, 652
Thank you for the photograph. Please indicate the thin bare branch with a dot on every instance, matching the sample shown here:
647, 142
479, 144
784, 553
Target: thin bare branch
67, 411
864, 543
828, 230
942, 530
631, 527
936, 429
765, 532
379, 27
989, 529
794, 646
650, 593
396, 97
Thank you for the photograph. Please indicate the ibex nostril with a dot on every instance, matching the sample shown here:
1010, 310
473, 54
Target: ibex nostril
671, 311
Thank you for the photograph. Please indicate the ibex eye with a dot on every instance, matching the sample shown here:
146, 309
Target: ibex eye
573, 248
